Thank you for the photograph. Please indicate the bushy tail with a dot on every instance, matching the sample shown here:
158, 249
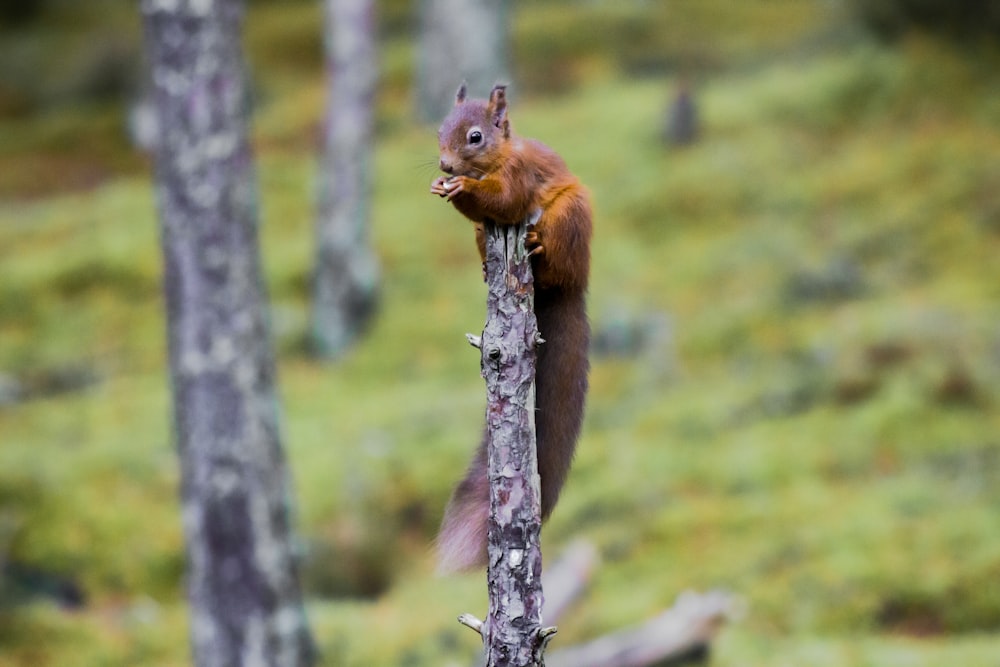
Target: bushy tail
560, 393
461, 543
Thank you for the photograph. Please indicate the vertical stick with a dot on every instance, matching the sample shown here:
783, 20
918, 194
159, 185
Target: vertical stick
513, 631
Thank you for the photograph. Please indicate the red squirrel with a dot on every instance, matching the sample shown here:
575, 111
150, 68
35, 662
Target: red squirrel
494, 175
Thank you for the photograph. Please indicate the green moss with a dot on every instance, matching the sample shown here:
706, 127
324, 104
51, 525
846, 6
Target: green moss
817, 432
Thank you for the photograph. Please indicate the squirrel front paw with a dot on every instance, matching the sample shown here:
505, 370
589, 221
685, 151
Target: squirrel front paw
438, 186
449, 186
457, 185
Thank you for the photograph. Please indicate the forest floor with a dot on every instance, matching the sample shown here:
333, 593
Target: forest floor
794, 387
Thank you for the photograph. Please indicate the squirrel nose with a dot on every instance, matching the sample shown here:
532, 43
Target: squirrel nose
446, 167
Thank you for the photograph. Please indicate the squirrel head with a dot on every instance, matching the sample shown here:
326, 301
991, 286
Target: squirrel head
473, 134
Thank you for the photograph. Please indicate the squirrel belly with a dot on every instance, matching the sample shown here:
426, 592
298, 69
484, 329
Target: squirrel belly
497, 176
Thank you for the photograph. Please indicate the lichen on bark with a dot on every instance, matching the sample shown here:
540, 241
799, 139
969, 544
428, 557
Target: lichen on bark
242, 583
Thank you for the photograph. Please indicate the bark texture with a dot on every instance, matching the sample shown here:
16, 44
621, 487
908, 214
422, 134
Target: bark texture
345, 279
512, 631
242, 582
460, 40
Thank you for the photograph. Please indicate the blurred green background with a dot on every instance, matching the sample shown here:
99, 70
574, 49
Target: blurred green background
794, 395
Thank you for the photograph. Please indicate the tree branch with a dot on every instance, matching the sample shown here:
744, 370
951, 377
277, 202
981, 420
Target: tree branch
691, 623
566, 579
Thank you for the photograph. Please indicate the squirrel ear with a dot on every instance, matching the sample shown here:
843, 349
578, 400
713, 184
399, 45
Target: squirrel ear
460, 95
498, 108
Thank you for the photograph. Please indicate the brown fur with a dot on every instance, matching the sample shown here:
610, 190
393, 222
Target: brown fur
503, 178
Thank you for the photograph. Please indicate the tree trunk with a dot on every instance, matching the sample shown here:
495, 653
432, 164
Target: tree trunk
460, 40
246, 605
512, 633
345, 280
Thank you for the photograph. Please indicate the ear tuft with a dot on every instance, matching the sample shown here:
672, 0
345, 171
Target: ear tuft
498, 108
498, 96
460, 95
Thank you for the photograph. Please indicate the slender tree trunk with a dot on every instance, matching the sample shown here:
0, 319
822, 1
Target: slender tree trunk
246, 605
512, 633
345, 287
460, 40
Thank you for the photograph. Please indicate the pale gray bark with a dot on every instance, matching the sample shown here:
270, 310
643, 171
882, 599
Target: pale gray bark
512, 633
246, 605
460, 40
345, 279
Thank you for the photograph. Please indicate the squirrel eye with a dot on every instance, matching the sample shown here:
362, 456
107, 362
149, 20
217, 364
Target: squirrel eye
475, 136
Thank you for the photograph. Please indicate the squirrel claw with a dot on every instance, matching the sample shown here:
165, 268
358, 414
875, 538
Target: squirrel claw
533, 243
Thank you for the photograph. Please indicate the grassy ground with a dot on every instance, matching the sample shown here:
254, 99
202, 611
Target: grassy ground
807, 414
